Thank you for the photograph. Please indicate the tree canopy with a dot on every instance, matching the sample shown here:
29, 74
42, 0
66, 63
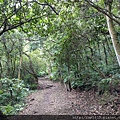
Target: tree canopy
75, 41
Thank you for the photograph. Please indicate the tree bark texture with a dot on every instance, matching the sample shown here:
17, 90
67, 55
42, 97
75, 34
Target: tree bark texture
112, 31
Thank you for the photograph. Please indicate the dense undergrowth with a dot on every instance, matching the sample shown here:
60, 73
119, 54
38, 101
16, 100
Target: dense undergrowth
12, 95
73, 47
91, 80
107, 88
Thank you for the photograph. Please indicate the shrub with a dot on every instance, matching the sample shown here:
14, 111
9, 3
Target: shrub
109, 84
42, 74
12, 92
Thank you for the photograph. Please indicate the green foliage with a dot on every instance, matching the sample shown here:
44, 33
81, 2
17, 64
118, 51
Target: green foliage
7, 109
20, 12
53, 76
109, 84
13, 89
35, 65
76, 40
30, 81
14, 62
111, 69
81, 44
69, 77
104, 84
12, 109
12, 93
42, 74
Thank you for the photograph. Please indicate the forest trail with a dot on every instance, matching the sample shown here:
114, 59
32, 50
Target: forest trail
53, 99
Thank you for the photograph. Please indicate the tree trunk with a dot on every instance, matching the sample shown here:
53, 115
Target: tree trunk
19, 71
1, 69
8, 66
32, 72
112, 31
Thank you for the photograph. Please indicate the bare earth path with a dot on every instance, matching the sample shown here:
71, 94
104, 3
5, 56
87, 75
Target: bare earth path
53, 99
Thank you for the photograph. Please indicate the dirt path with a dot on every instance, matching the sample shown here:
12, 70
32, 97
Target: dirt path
53, 99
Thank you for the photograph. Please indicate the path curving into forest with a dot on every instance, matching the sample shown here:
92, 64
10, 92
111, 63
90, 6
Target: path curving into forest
53, 99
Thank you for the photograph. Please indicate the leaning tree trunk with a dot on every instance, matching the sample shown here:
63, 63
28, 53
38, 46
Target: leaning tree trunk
32, 72
112, 31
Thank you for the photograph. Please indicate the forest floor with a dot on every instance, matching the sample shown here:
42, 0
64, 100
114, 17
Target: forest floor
52, 99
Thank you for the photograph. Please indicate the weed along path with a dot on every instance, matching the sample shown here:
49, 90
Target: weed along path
53, 99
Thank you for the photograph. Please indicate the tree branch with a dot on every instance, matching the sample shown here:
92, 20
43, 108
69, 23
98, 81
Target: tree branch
18, 24
104, 11
4, 25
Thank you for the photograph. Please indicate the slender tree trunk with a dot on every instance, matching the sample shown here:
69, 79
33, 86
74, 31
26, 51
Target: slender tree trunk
8, 66
14, 66
112, 31
0, 69
19, 71
105, 53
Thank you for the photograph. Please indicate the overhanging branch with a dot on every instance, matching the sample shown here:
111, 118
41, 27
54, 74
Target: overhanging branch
4, 25
18, 24
104, 11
